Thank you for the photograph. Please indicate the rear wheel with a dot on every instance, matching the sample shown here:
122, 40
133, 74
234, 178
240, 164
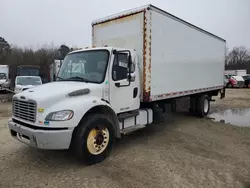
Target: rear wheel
93, 139
203, 105
229, 85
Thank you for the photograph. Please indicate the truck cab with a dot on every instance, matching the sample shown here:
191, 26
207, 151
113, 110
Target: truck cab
96, 85
108, 71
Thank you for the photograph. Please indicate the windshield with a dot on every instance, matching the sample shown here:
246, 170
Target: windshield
2, 76
28, 81
28, 71
87, 66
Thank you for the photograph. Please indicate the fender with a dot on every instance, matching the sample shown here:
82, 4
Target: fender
81, 106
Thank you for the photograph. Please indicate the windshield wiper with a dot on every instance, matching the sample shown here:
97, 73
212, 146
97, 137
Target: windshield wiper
77, 78
60, 78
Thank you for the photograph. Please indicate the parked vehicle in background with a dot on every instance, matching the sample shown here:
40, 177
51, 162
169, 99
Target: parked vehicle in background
241, 72
23, 83
33, 70
236, 82
54, 69
106, 91
28, 70
4, 77
226, 80
247, 80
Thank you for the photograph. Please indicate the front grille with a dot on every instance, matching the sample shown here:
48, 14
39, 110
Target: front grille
241, 83
25, 110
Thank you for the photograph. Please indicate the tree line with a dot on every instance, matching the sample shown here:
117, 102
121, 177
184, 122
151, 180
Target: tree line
43, 57
237, 58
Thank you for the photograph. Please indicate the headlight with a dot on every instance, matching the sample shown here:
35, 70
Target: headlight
63, 115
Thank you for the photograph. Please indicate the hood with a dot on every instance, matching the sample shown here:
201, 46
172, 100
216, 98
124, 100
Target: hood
2, 81
55, 91
24, 86
238, 78
20, 88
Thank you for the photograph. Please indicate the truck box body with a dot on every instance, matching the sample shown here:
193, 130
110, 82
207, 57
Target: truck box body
4, 83
5, 69
242, 72
176, 58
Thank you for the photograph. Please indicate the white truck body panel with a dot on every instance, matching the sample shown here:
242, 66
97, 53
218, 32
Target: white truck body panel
54, 69
238, 78
176, 58
242, 72
4, 69
230, 72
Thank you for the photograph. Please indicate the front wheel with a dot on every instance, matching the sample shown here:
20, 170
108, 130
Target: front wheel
93, 138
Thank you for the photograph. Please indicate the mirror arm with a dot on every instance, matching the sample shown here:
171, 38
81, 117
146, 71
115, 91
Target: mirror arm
129, 67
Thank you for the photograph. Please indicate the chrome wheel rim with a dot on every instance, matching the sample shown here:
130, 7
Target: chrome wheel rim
206, 105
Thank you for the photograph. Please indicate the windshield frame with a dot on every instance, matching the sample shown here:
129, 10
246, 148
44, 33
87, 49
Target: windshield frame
90, 81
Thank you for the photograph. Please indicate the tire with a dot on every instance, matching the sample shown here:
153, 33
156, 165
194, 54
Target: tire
85, 146
203, 105
229, 86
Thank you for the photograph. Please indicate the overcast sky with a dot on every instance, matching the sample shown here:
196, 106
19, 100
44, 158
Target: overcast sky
32, 23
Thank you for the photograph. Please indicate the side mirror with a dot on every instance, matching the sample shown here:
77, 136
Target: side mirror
131, 78
129, 61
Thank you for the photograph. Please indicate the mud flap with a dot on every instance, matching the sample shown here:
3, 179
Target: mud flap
223, 93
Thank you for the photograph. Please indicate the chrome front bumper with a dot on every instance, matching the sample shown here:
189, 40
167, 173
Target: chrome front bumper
41, 139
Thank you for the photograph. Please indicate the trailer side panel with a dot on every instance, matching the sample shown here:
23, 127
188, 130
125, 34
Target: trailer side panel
184, 60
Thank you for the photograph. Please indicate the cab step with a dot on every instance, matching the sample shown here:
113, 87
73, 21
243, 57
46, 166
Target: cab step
128, 114
131, 129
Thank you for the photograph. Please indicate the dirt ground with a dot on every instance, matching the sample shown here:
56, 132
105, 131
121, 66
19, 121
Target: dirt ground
183, 152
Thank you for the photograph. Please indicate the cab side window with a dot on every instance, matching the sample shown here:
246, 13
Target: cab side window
120, 67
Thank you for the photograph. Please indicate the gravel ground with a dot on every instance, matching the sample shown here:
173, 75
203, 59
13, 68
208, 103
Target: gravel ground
183, 152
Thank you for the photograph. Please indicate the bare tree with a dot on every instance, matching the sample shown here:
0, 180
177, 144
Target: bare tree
4, 50
238, 55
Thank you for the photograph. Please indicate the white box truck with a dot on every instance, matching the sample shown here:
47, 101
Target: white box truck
4, 78
102, 92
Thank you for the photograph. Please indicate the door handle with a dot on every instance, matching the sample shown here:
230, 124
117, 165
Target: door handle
117, 84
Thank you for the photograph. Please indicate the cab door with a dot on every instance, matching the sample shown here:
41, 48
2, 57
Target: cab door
124, 96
